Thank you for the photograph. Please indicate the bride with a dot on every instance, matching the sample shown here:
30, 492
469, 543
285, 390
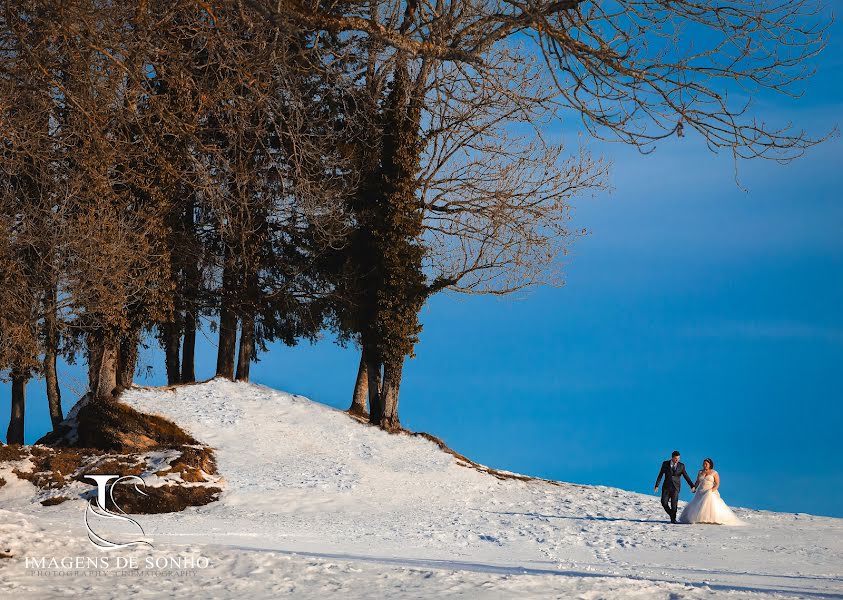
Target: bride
707, 506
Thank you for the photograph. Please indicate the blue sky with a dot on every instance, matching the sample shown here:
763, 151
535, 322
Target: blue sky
696, 316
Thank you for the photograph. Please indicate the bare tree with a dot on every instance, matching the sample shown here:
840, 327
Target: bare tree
457, 203
274, 161
634, 71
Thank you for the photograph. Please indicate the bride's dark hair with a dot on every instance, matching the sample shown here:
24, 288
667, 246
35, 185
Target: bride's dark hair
710, 463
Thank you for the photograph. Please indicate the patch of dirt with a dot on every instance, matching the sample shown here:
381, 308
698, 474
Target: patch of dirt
51, 468
464, 461
108, 424
54, 500
163, 499
113, 465
103, 436
54, 468
193, 464
2, 482
12, 453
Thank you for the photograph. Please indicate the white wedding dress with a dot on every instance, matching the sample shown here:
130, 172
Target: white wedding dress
707, 506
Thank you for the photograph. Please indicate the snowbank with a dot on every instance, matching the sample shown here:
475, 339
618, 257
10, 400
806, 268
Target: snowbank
317, 503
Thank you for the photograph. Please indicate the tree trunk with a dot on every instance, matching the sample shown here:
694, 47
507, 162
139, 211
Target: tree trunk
51, 350
192, 283
172, 340
51, 379
188, 350
373, 371
127, 360
107, 383
103, 351
389, 395
228, 326
361, 389
14, 435
247, 347
94, 358
227, 343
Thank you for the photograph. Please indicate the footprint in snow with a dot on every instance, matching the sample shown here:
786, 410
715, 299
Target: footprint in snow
489, 538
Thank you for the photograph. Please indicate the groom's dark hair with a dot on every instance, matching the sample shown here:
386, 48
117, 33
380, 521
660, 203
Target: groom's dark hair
675, 453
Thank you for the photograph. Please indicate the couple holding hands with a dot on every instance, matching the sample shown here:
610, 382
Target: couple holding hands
707, 506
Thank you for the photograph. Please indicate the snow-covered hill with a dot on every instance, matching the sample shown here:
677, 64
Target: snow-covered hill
316, 503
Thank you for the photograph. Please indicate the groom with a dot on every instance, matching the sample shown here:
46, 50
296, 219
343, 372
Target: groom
672, 470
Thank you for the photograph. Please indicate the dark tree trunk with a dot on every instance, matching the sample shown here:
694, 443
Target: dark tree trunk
227, 343
373, 371
192, 283
127, 360
188, 350
51, 350
51, 379
361, 389
389, 395
103, 351
172, 341
14, 435
228, 326
247, 347
397, 224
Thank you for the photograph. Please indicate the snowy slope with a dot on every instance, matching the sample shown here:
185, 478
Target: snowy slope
317, 503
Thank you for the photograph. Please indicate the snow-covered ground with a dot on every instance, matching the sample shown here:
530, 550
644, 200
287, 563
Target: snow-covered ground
317, 504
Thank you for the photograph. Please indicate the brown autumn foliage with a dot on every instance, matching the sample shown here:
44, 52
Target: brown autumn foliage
282, 167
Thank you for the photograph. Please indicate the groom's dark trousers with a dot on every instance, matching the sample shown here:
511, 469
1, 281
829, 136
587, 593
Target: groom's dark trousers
672, 483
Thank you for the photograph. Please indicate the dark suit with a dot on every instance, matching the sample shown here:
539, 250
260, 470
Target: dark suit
672, 482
